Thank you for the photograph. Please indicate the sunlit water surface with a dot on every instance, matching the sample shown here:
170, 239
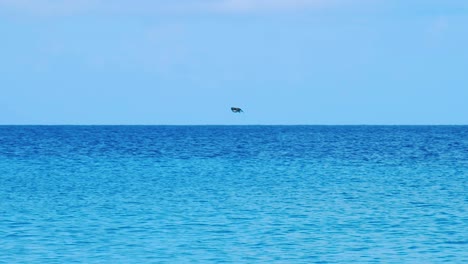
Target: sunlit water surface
238, 194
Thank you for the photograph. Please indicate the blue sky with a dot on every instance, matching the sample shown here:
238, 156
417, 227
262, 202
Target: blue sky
189, 61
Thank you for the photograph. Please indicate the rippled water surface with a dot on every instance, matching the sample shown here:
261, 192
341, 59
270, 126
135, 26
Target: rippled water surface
238, 194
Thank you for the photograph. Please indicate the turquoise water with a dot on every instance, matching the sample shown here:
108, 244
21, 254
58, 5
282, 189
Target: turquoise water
233, 194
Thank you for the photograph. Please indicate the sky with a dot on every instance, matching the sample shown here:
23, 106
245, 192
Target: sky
186, 62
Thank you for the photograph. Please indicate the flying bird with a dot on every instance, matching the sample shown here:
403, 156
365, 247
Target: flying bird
236, 110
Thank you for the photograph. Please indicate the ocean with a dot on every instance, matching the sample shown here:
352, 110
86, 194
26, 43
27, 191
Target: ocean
233, 194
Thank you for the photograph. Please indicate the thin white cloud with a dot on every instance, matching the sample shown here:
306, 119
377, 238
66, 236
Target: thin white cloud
439, 25
269, 5
64, 7
47, 7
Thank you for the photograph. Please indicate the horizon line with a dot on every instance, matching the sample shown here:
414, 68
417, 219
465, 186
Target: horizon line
234, 124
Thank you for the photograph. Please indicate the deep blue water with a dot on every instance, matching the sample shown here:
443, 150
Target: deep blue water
233, 194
